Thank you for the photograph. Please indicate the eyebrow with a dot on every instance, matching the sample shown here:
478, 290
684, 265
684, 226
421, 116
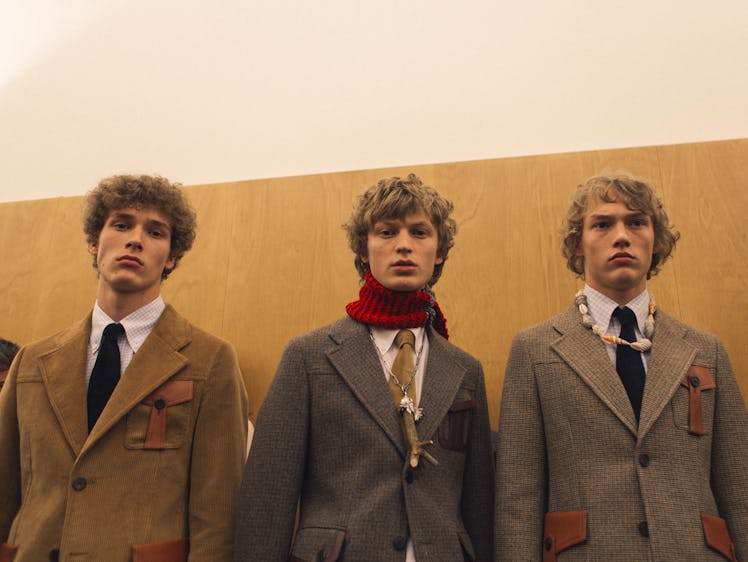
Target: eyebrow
630, 215
149, 222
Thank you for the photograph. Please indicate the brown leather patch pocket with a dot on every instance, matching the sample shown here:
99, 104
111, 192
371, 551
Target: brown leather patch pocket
717, 536
562, 530
162, 551
7, 552
161, 420
317, 544
697, 380
453, 430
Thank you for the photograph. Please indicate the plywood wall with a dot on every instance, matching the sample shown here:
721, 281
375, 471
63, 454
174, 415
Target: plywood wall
271, 261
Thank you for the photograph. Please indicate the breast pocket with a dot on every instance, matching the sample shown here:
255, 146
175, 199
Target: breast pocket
454, 429
162, 419
693, 403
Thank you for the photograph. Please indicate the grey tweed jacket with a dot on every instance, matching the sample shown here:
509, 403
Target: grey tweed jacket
329, 437
569, 442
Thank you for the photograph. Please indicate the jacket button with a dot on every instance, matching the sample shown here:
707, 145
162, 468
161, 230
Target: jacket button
399, 543
79, 484
695, 381
644, 529
644, 460
409, 475
54, 555
159, 404
548, 544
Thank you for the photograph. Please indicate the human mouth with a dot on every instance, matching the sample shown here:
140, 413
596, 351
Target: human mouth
129, 260
404, 265
621, 257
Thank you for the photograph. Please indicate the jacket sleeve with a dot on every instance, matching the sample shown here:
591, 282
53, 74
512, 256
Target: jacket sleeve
219, 449
730, 454
477, 487
274, 472
10, 460
521, 474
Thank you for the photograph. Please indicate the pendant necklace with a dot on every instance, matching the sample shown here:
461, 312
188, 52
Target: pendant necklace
406, 402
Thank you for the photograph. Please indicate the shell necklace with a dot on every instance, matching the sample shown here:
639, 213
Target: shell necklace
644, 344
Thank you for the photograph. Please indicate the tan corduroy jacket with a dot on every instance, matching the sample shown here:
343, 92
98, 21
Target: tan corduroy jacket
579, 479
159, 474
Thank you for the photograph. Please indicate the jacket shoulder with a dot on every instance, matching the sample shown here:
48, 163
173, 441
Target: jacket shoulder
175, 328
551, 328
50, 343
437, 341
335, 332
694, 335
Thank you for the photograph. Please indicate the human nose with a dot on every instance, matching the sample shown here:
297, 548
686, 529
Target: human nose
135, 240
621, 235
403, 243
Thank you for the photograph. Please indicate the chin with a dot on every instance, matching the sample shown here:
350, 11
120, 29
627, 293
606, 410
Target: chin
402, 287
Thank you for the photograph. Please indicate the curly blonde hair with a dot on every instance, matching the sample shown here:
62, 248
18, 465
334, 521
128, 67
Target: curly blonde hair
395, 198
141, 192
637, 194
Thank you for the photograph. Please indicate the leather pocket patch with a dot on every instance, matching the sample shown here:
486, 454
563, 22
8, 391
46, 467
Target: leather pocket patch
562, 530
717, 536
161, 420
162, 551
697, 379
7, 552
453, 430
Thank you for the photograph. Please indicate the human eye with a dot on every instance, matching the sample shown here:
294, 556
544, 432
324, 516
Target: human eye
421, 232
384, 230
599, 224
639, 222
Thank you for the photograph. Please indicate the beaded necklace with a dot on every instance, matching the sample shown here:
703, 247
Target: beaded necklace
580, 300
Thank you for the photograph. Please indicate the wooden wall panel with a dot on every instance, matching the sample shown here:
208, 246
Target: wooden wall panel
271, 260
706, 192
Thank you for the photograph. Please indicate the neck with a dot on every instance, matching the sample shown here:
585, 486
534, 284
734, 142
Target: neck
621, 296
120, 305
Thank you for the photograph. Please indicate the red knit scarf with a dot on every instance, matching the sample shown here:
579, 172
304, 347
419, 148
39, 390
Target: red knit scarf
385, 308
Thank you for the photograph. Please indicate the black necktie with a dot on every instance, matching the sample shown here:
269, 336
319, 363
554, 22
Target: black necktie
629, 361
105, 374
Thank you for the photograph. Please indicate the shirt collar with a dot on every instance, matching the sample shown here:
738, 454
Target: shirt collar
384, 338
601, 307
137, 324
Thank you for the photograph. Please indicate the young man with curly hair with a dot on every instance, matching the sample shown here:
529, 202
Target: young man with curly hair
623, 434
385, 451
123, 437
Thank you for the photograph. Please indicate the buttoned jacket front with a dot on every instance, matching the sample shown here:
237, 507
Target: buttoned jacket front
92, 497
328, 435
569, 442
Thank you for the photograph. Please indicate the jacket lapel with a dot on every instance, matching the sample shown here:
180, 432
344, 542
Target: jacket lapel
441, 381
585, 353
356, 361
671, 357
156, 361
63, 371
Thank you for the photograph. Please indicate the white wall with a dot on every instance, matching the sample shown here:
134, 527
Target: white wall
228, 90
